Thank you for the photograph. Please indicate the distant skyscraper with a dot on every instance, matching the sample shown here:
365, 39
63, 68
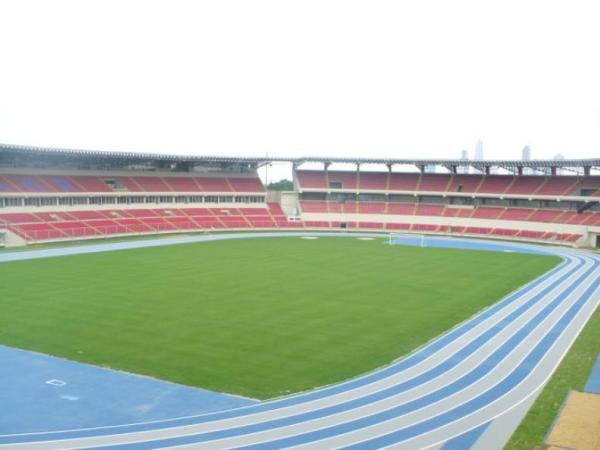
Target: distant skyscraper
478, 156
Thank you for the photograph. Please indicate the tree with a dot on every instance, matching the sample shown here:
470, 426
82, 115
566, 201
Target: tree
281, 185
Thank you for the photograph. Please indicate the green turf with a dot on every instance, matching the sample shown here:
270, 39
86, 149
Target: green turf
572, 373
259, 317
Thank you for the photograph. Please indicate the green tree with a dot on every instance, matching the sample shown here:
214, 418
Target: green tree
281, 185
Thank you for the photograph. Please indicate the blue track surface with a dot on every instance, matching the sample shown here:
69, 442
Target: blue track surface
593, 383
467, 440
448, 392
91, 396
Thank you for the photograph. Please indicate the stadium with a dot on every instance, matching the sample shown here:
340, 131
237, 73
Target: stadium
159, 301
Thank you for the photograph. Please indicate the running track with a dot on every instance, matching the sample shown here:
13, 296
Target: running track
486, 370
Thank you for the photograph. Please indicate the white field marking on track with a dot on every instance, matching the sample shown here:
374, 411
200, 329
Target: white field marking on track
220, 443
55, 382
569, 262
559, 311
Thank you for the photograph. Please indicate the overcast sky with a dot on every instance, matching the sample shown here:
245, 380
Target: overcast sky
344, 78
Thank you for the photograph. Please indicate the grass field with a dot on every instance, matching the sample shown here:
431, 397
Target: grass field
572, 373
256, 317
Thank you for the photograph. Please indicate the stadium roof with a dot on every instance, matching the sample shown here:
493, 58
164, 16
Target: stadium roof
132, 157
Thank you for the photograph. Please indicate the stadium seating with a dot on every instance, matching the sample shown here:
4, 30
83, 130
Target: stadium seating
482, 212
373, 181
418, 198
311, 179
61, 225
109, 183
404, 181
415, 182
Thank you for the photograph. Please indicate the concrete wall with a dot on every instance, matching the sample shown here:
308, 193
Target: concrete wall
289, 203
11, 239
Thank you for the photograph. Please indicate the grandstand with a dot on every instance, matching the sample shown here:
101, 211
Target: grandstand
547, 207
54, 194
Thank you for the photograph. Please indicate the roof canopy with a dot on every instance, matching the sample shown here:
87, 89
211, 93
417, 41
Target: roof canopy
131, 158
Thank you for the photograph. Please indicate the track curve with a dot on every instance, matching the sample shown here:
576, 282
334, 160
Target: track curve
467, 377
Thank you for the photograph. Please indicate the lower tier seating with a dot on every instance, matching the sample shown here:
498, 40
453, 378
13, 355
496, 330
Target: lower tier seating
43, 226
47, 226
591, 218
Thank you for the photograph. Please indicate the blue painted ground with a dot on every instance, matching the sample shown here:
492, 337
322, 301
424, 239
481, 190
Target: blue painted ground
92, 396
469, 244
593, 383
466, 440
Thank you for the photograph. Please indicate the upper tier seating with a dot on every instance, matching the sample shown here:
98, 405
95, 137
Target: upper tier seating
373, 180
141, 183
416, 182
348, 180
311, 179
404, 181
434, 182
246, 184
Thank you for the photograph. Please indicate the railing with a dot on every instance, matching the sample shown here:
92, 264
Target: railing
90, 231
54, 233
